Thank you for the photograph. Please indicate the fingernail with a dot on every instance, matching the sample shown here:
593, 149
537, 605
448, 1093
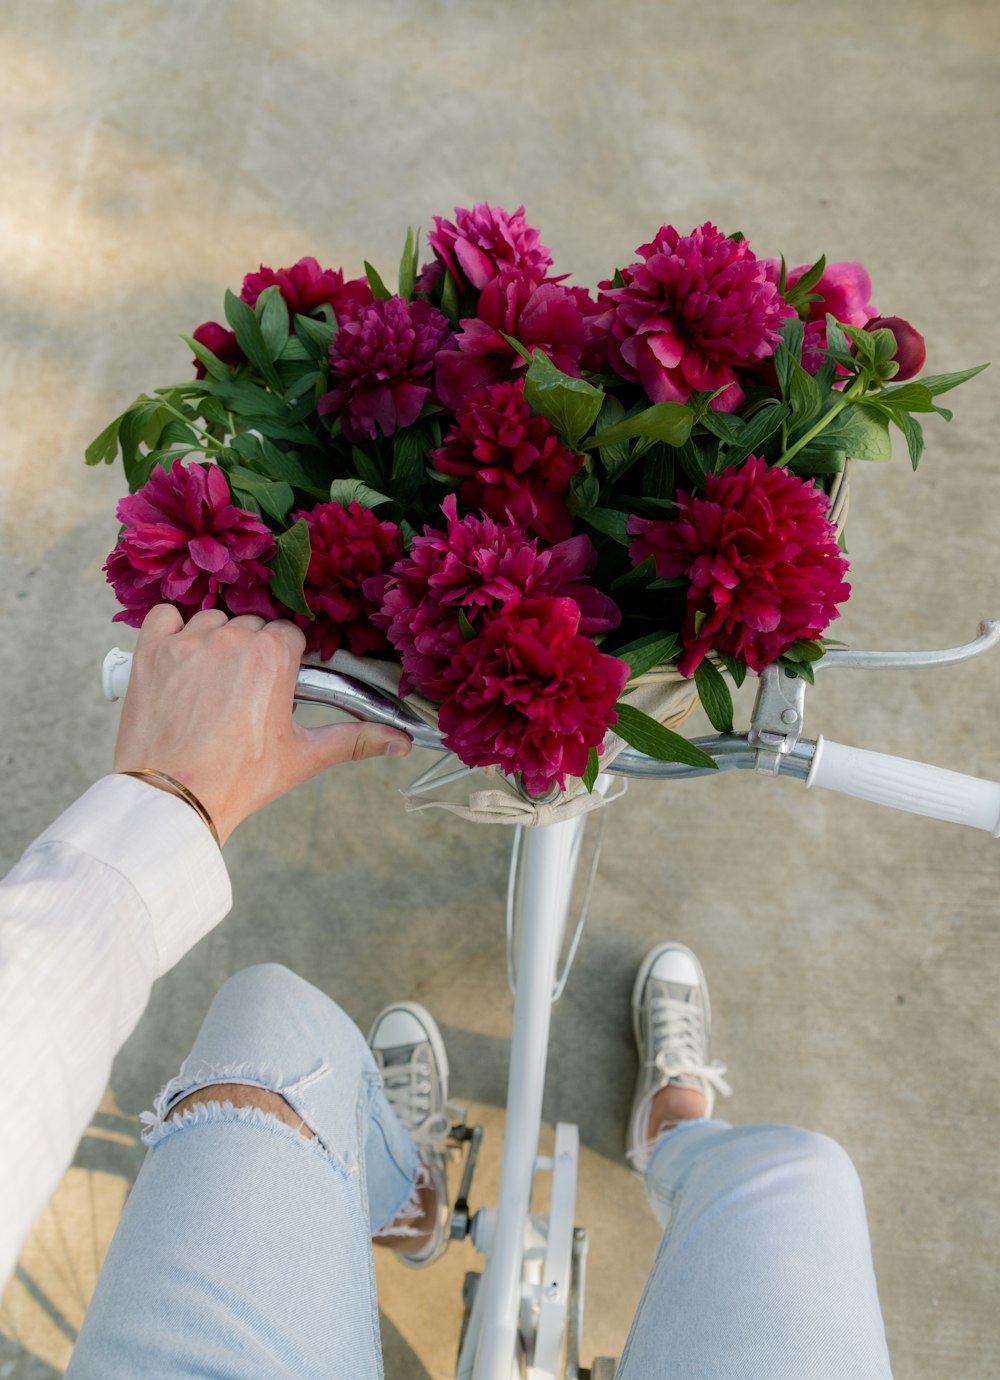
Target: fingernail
396, 748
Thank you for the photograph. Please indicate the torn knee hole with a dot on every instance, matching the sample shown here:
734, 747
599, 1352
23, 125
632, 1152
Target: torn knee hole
246, 1095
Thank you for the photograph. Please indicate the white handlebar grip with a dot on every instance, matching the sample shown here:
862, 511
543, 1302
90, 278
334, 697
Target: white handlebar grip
904, 785
115, 673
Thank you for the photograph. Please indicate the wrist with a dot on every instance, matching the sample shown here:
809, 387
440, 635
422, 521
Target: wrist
161, 781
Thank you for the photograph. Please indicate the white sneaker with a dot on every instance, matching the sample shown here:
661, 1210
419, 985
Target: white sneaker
411, 1058
672, 1017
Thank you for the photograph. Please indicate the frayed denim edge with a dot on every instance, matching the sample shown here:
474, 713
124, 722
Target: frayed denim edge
216, 1112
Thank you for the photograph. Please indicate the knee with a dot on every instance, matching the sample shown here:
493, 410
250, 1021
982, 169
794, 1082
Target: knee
261, 984
818, 1157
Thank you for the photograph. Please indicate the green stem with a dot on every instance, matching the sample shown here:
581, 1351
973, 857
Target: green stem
856, 389
210, 444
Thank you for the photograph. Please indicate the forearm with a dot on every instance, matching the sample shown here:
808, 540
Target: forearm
109, 898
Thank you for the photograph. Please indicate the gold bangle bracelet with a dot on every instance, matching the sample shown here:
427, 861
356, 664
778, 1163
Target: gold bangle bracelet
181, 791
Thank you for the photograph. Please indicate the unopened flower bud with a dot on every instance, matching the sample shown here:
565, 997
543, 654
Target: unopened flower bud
910, 348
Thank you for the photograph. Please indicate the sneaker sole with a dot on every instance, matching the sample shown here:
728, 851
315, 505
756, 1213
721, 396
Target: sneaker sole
640, 984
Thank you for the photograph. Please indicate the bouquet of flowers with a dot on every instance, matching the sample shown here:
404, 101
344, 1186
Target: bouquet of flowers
522, 494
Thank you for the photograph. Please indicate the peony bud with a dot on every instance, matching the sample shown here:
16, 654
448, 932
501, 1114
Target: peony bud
910, 348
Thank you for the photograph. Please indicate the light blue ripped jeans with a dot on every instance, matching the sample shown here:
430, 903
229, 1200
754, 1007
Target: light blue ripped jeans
244, 1252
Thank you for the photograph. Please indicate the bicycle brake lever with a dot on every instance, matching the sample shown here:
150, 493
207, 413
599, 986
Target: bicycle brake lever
776, 722
988, 635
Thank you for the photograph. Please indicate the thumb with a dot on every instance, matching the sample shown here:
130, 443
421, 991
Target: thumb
351, 742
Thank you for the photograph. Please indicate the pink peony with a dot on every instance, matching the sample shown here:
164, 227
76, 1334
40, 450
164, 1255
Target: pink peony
531, 694
485, 241
186, 544
699, 307
306, 287
843, 291
911, 351
382, 365
543, 316
479, 567
762, 558
221, 342
348, 545
512, 462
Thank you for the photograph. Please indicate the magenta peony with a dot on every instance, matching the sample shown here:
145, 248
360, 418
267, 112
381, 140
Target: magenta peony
382, 363
306, 286
186, 544
348, 546
543, 316
762, 558
477, 567
221, 342
531, 694
483, 242
699, 307
911, 351
511, 461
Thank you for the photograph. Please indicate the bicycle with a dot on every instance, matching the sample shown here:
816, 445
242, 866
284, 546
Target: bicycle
524, 1311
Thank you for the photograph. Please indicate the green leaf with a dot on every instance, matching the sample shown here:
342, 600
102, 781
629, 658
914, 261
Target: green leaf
409, 455
715, 696
275, 498
670, 422
737, 669
758, 429
942, 383
798, 668
450, 298
862, 432
648, 736
798, 296
593, 768
290, 566
788, 352
836, 340
913, 432
646, 652
294, 351
272, 314
104, 448
610, 521
250, 338
617, 281
246, 398
725, 426
811, 650
213, 366
376, 284
696, 462
585, 488
345, 491
614, 457
367, 468
805, 396
570, 404
465, 627
318, 336
408, 266
640, 575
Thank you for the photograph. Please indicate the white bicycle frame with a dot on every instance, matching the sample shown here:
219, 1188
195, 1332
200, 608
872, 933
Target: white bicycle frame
523, 1306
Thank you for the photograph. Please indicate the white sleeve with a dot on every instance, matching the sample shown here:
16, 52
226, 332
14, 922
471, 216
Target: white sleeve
104, 902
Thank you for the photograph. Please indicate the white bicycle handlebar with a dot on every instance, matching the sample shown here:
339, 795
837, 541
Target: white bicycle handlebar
896, 782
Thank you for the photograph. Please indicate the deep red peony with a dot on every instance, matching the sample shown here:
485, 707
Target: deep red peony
306, 286
696, 309
348, 546
477, 568
382, 366
545, 316
762, 558
221, 342
185, 543
483, 242
512, 462
531, 694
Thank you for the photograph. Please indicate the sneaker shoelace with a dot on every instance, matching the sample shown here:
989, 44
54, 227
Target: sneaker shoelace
679, 1043
408, 1090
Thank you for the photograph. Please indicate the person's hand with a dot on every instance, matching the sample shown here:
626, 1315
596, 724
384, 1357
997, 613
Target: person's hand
210, 704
